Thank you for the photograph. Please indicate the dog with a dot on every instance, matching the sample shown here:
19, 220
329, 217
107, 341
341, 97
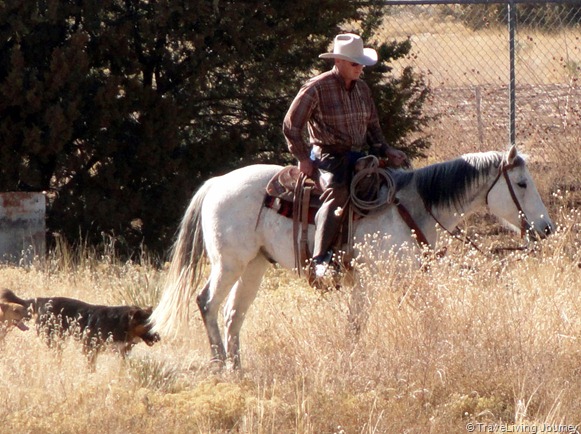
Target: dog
12, 315
95, 326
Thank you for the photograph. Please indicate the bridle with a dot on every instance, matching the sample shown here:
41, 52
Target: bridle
525, 226
503, 169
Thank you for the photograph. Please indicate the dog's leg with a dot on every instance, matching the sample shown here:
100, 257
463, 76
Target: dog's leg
46, 334
92, 354
91, 350
239, 301
49, 328
123, 349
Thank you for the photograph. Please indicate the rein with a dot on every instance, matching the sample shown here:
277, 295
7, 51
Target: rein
455, 234
302, 195
407, 217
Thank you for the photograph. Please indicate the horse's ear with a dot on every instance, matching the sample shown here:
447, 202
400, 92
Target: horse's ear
512, 154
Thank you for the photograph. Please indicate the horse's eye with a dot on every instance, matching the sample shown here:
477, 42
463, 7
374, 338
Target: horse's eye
522, 184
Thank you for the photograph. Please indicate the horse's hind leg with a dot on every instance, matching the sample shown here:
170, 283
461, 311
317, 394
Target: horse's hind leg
239, 301
214, 292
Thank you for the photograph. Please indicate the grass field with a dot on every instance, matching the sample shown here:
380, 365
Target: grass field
478, 343
476, 340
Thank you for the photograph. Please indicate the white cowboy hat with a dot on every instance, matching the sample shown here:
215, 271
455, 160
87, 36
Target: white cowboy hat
350, 47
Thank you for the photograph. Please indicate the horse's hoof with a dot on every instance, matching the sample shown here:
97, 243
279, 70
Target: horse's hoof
217, 365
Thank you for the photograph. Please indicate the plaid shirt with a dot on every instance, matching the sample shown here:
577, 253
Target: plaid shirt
338, 119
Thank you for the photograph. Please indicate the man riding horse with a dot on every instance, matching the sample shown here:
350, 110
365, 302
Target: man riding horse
338, 110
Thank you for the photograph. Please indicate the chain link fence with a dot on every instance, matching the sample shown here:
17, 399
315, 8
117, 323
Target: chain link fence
463, 50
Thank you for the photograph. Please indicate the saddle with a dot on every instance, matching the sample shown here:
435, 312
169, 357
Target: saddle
284, 183
293, 195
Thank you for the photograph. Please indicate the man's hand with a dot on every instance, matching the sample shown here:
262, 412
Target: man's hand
307, 167
396, 157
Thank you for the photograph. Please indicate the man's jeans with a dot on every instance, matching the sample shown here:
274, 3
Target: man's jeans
334, 176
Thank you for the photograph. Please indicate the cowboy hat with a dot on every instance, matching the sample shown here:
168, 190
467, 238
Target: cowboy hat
350, 47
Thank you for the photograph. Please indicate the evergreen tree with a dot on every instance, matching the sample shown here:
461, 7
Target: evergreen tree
120, 109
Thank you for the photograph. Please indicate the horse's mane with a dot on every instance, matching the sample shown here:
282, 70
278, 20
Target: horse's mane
449, 183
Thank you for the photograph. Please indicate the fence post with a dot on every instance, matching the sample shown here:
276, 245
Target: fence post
478, 97
22, 227
512, 80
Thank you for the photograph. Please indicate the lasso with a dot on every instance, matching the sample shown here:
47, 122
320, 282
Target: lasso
376, 177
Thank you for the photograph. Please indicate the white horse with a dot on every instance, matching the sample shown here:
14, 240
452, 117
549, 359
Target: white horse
227, 224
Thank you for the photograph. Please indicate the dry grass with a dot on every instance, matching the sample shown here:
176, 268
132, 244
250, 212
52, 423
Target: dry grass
475, 340
454, 55
491, 340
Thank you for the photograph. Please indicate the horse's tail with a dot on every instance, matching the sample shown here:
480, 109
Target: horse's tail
185, 270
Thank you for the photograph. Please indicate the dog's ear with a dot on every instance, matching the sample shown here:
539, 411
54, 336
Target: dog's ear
7, 295
137, 315
3, 307
131, 313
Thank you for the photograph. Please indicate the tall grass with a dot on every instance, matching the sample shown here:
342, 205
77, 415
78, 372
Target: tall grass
477, 338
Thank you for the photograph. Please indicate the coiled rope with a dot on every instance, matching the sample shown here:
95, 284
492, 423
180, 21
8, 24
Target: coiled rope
366, 186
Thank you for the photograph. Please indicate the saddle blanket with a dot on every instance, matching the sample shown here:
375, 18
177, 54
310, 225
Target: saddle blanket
285, 207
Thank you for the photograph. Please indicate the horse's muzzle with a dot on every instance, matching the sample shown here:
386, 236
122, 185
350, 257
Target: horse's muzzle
535, 233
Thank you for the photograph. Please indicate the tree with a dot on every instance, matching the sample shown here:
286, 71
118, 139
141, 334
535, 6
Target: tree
120, 109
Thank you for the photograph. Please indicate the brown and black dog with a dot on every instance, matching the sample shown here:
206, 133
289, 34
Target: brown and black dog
96, 326
12, 315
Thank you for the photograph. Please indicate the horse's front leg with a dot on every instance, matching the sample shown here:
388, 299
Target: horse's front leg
238, 303
358, 310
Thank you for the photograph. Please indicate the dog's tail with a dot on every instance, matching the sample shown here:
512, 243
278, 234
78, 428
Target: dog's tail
185, 270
